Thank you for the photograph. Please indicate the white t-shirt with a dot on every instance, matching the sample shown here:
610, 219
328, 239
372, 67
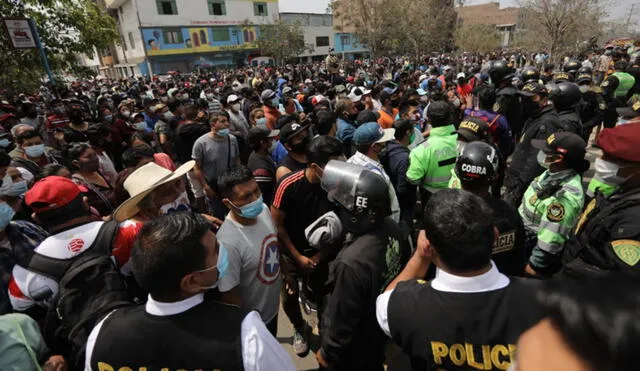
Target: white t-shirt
254, 264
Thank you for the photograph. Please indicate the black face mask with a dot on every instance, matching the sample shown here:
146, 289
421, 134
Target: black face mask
301, 148
529, 108
32, 114
76, 116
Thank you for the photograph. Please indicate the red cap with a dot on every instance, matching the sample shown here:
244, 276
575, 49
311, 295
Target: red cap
622, 141
52, 193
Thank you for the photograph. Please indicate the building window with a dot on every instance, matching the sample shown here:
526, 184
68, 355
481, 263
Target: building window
221, 34
260, 9
322, 41
167, 7
131, 42
172, 36
216, 7
345, 39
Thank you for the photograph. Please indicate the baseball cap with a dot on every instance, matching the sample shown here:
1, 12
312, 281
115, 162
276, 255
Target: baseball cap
533, 88
287, 90
622, 141
421, 92
632, 110
561, 77
257, 134
565, 143
267, 94
460, 75
473, 128
583, 77
232, 98
290, 130
370, 133
367, 116
52, 192
340, 88
357, 93
438, 110
390, 91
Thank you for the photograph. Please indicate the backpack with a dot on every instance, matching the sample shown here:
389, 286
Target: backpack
90, 287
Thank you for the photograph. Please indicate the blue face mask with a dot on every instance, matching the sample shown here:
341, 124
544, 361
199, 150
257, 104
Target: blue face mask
108, 118
34, 151
6, 214
252, 209
222, 266
4, 143
262, 122
275, 102
223, 132
18, 188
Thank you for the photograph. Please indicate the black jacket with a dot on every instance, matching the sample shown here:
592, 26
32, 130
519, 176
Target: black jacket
351, 337
570, 121
508, 104
395, 160
591, 111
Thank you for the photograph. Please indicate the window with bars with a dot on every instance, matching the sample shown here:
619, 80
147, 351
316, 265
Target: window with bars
166, 7
172, 36
217, 7
322, 41
260, 9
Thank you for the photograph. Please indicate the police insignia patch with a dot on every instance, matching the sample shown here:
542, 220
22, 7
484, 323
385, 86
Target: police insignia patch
533, 199
496, 107
627, 250
602, 106
555, 212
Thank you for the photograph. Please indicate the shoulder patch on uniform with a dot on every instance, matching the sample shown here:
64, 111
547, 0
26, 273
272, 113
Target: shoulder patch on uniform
422, 282
496, 107
533, 199
555, 212
602, 106
627, 250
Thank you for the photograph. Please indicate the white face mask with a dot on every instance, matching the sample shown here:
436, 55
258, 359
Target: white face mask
210, 96
542, 160
583, 88
236, 107
126, 113
608, 172
168, 115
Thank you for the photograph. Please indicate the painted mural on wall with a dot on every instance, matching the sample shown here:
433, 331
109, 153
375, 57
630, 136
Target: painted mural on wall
182, 40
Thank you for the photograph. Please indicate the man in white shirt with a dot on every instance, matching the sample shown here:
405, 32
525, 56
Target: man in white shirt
176, 259
370, 139
253, 280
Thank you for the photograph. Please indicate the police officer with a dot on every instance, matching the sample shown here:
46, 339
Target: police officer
374, 254
476, 169
592, 106
616, 91
553, 201
572, 68
431, 162
507, 100
542, 121
470, 315
607, 235
566, 98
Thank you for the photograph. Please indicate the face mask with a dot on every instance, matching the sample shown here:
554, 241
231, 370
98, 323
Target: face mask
236, 107
18, 188
6, 214
529, 108
108, 117
222, 266
4, 143
542, 160
252, 209
583, 88
275, 102
456, 102
460, 145
184, 96
621, 121
34, 151
140, 126
261, 122
301, 147
273, 146
223, 132
164, 99
608, 172
126, 113
210, 96
179, 204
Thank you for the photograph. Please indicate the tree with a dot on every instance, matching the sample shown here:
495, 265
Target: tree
559, 26
66, 28
281, 41
477, 38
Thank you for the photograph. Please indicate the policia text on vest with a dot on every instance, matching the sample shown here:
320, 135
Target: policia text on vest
102, 366
473, 356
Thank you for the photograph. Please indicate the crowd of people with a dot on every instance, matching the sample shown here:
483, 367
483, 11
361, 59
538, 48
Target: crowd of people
439, 207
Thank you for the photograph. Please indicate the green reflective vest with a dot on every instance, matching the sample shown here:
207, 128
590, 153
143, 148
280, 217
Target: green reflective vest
626, 82
597, 183
553, 217
432, 161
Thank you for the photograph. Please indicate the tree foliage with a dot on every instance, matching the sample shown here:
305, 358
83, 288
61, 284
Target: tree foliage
477, 38
559, 26
66, 28
397, 26
281, 41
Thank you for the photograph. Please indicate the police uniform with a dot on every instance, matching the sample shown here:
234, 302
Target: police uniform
607, 234
431, 162
551, 205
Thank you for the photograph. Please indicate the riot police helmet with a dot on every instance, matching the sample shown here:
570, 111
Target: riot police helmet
477, 163
564, 95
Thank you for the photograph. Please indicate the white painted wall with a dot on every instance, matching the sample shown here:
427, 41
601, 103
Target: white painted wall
129, 23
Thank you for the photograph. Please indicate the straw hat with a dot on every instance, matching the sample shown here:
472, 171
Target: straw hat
142, 182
